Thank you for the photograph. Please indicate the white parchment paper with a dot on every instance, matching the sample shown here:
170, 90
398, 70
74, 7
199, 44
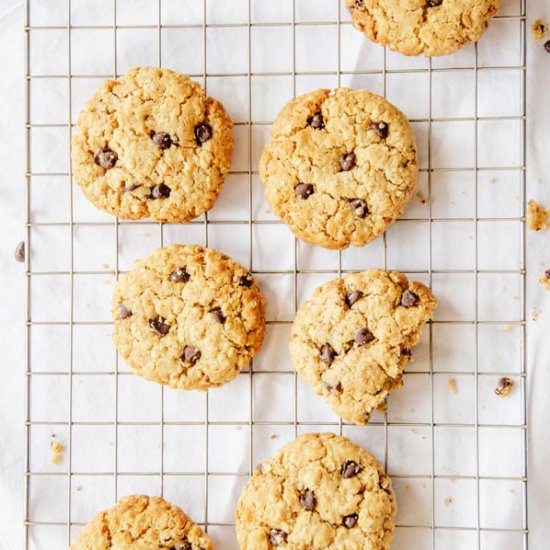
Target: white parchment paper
454, 450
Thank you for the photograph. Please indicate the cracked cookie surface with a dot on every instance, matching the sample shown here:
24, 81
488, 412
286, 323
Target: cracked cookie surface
143, 522
353, 339
188, 317
152, 144
341, 166
429, 27
320, 491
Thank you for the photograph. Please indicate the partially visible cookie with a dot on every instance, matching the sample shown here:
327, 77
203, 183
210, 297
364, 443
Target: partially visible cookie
320, 491
152, 144
353, 339
188, 317
142, 522
429, 27
341, 166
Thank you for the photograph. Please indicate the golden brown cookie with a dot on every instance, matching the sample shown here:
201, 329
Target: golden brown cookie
142, 522
341, 166
152, 144
188, 317
429, 27
353, 339
320, 491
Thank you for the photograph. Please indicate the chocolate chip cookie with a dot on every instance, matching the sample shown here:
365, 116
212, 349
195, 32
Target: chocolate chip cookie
429, 27
142, 522
319, 491
152, 144
188, 317
353, 339
341, 166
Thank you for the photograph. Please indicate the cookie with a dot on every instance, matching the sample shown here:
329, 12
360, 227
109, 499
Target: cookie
429, 27
353, 339
188, 317
340, 168
142, 522
321, 491
152, 144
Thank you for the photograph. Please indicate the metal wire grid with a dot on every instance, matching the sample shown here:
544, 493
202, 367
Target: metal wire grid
478, 529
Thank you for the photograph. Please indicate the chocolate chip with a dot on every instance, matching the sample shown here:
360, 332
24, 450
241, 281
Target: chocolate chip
203, 132
406, 352
434, 3
246, 280
384, 485
409, 298
276, 537
327, 354
218, 315
123, 312
359, 207
353, 296
191, 355
186, 545
546, 273
547, 46
331, 389
159, 326
304, 190
105, 157
180, 275
308, 500
19, 253
160, 191
350, 468
381, 128
161, 139
359, 3
316, 121
347, 162
350, 521
363, 336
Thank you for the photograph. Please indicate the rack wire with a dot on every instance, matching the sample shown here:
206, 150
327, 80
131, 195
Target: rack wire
57, 496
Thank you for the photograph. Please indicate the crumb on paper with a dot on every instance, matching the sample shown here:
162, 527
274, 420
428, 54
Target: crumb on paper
421, 197
539, 29
78, 488
515, 297
451, 384
238, 428
105, 265
535, 314
493, 180
448, 501
57, 449
546, 280
274, 436
505, 387
407, 487
537, 216
508, 328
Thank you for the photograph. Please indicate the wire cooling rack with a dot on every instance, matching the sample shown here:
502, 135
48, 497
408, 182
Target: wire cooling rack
456, 451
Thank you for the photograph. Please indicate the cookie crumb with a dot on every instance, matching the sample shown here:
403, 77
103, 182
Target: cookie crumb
57, 449
19, 253
535, 314
448, 501
421, 197
274, 436
539, 29
537, 216
493, 180
451, 384
105, 265
238, 428
507, 328
78, 488
546, 280
505, 387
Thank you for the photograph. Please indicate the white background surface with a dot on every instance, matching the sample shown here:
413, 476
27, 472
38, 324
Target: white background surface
407, 404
